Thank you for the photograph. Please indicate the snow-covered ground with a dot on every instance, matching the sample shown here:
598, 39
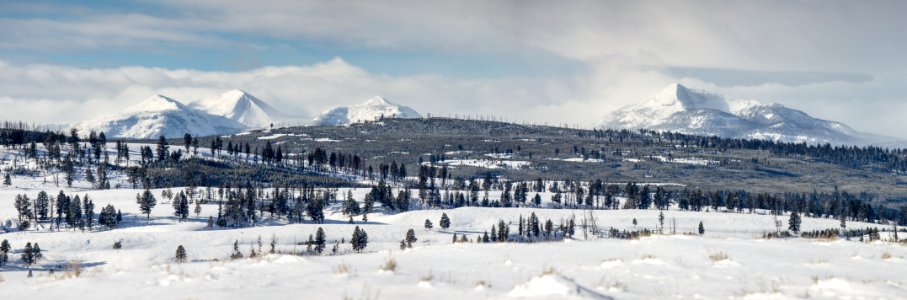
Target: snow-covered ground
730, 260
675, 266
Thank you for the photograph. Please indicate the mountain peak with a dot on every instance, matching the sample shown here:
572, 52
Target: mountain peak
680, 109
240, 106
160, 115
377, 100
156, 103
234, 93
372, 109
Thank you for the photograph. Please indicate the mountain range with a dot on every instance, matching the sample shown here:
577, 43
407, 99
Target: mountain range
680, 109
232, 112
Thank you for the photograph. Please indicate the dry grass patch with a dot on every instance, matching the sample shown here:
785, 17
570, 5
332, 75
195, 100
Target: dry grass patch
719, 256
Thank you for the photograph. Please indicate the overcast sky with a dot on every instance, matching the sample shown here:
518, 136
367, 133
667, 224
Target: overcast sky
546, 61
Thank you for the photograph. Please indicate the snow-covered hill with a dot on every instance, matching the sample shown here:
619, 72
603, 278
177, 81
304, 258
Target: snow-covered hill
679, 109
371, 109
239, 106
160, 115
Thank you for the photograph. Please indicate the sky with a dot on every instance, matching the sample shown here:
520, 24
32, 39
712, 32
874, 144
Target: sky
552, 62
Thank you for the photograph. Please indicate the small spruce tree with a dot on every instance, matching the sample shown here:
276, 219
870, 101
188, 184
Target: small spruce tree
445, 221
180, 254
794, 223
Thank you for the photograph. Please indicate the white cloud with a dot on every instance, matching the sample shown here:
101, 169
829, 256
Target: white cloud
629, 50
54, 94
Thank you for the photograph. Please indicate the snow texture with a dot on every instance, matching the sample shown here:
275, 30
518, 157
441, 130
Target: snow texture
679, 109
370, 110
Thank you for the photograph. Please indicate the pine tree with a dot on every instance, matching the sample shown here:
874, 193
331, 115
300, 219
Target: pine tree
108, 217
42, 204
661, 221
181, 207
359, 239
701, 228
445, 221
794, 223
4, 252
146, 202
320, 240
36, 252
7, 180
89, 212
236, 253
428, 224
28, 257
162, 149
180, 254
410, 238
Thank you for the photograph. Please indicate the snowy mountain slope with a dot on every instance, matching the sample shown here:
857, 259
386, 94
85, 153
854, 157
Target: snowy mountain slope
679, 109
371, 109
239, 106
160, 115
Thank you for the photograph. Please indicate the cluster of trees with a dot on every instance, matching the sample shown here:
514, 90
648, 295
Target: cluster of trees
31, 254
359, 240
72, 211
239, 207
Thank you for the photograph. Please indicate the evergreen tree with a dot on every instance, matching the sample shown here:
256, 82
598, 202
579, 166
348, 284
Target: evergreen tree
410, 238
445, 221
42, 205
236, 253
180, 254
350, 206
89, 212
359, 239
701, 228
428, 224
108, 217
319, 240
4, 252
7, 180
28, 257
162, 149
181, 206
146, 202
794, 223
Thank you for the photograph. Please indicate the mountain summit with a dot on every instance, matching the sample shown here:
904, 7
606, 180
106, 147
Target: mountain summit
159, 115
679, 109
239, 106
370, 110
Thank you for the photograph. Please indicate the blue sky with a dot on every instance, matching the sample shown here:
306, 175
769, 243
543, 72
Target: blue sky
534, 61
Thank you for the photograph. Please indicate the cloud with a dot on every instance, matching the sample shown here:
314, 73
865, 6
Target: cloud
56, 94
838, 60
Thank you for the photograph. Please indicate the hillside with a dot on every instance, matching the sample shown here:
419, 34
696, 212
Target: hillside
473, 148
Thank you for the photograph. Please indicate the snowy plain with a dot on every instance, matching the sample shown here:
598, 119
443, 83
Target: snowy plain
680, 266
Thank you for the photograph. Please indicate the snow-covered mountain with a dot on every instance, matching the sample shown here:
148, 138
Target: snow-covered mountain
239, 106
370, 110
160, 115
679, 109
